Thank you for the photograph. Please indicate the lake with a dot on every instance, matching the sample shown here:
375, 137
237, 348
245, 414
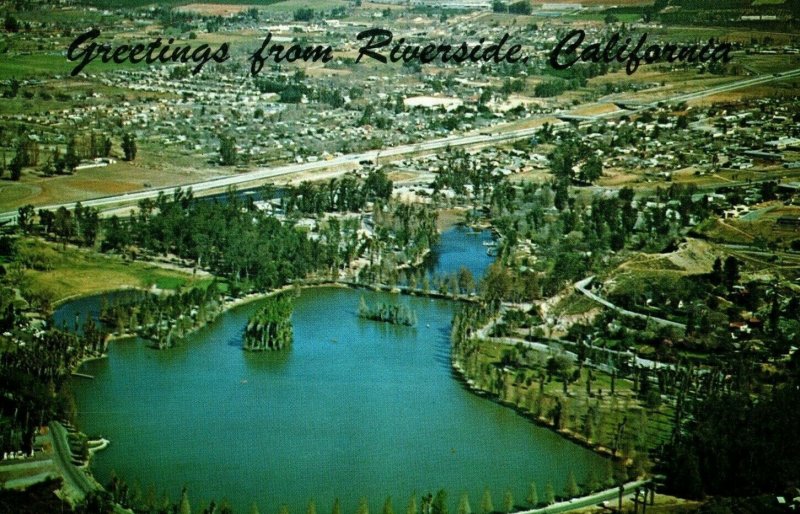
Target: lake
354, 409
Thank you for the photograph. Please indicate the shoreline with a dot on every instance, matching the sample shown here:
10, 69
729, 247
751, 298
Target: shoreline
456, 372
80, 296
469, 384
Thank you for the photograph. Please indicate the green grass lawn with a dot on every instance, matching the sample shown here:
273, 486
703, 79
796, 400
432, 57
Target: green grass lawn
317, 5
62, 273
621, 17
49, 64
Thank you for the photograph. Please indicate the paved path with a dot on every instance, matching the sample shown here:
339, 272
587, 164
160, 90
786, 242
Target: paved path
546, 346
75, 480
587, 501
581, 286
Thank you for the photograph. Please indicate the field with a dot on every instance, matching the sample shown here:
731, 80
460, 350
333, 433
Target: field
317, 5
759, 228
213, 9
600, 17
64, 273
117, 178
595, 3
594, 109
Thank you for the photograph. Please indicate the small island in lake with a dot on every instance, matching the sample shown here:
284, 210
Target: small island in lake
270, 328
387, 313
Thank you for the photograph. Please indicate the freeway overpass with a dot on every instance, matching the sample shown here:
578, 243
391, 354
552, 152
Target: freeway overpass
393, 153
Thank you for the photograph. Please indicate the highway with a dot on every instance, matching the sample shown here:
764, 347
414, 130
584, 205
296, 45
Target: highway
737, 85
350, 161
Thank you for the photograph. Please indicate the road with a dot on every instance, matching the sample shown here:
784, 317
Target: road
75, 480
587, 501
739, 84
546, 347
498, 135
262, 174
581, 287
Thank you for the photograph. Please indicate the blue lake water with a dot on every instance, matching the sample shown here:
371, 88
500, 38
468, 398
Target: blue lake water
354, 409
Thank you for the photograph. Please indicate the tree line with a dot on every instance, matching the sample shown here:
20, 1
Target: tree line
339, 195
118, 492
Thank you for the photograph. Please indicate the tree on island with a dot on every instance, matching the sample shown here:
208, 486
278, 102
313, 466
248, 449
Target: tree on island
270, 328
387, 313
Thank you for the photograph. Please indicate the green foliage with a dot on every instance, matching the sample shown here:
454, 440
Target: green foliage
185, 507
521, 7
411, 508
229, 238
227, 150
439, 504
533, 495
363, 506
487, 507
270, 328
129, 146
549, 494
338, 195
508, 501
550, 88
463, 504
387, 506
736, 446
304, 14
461, 171
387, 313
571, 489
164, 319
591, 170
